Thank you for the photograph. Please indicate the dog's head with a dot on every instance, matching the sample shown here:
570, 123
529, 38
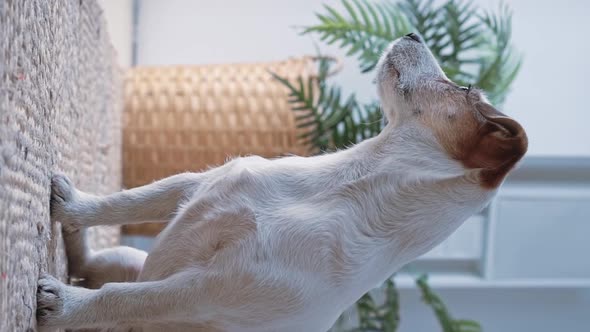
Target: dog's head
414, 91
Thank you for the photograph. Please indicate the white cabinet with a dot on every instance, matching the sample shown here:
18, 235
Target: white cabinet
535, 234
543, 236
464, 244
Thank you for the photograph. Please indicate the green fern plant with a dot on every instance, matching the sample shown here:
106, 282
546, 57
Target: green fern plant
336, 121
445, 319
384, 317
472, 46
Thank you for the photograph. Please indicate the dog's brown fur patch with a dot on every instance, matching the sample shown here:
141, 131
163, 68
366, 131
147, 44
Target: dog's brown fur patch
476, 134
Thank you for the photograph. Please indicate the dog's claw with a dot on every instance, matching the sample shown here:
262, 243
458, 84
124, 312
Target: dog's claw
49, 300
64, 202
62, 189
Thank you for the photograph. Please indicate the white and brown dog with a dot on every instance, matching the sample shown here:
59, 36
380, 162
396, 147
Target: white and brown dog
288, 244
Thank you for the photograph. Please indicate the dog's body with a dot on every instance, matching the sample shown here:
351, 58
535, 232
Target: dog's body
288, 244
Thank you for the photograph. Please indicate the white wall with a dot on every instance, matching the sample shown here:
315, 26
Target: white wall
547, 97
549, 94
119, 16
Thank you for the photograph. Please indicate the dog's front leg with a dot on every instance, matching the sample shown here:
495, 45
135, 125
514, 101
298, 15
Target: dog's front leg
115, 304
77, 210
153, 202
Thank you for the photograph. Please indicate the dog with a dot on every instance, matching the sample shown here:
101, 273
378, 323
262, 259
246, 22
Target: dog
288, 244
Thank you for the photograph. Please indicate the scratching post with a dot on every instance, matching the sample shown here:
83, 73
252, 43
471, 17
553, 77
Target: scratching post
59, 111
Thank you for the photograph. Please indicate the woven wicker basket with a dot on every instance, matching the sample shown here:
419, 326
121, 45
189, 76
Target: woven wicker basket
188, 118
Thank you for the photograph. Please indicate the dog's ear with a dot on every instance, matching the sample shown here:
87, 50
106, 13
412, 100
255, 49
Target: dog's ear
500, 143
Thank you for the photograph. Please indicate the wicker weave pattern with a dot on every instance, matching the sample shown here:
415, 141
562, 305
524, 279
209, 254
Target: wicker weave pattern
186, 118
59, 111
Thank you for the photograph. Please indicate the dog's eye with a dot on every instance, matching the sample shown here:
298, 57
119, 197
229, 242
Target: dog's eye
467, 89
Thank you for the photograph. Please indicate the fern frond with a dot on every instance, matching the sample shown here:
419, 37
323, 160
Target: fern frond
422, 17
446, 321
501, 64
461, 30
363, 31
391, 314
336, 121
379, 318
472, 48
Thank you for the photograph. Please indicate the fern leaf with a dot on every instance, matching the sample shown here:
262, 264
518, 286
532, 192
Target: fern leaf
364, 30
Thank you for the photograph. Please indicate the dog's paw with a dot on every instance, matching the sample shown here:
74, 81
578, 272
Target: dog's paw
64, 202
50, 301
62, 188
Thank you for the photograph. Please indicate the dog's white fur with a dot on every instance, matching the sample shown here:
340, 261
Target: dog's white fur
285, 244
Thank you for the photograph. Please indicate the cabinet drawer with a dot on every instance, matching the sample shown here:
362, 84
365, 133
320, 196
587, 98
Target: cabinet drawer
541, 237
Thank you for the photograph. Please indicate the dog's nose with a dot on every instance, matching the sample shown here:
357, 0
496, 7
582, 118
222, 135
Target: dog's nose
414, 37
